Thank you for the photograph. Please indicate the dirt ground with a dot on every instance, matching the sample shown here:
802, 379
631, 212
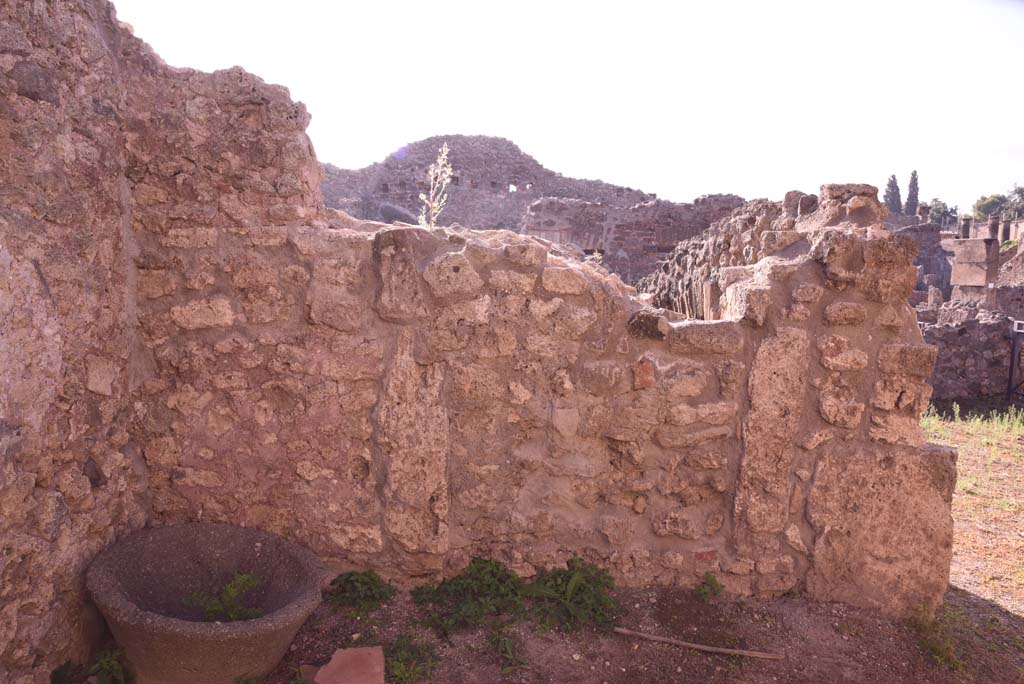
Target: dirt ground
978, 638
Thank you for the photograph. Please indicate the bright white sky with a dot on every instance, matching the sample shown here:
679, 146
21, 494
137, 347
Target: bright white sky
676, 97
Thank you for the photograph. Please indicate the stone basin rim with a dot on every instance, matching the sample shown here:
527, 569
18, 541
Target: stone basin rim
106, 592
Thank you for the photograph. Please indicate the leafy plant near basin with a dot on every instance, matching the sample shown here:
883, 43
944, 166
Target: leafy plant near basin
579, 594
484, 590
709, 587
407, 660
108, 668
363, 592
229, 605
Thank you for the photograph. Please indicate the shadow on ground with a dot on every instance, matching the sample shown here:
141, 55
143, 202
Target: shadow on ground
976, 640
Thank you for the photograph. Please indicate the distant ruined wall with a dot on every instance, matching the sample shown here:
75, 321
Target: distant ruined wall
631, 240
934, 256
187, 334
493, 185
974, 352
691, 280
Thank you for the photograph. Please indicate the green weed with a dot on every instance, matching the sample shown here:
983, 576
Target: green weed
709, 587
108, 668
363, 592
509, 648
577, 595
228, 607
484, 590
407, 661
936, 639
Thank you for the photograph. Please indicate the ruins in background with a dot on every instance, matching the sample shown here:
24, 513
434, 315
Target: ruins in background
968, 288
497, 186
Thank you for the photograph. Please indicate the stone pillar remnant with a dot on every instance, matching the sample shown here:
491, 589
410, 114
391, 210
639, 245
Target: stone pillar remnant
975, 269
965, 228
993, 226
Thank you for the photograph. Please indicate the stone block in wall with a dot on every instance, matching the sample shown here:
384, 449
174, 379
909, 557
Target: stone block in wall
452, 274
776, 387
401, 297
910, 359
204, 313
845, 313
883, 534
705, 337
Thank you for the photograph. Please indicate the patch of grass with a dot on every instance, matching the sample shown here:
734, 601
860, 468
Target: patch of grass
709, 586
579, 594
407, 661
229, 606
937, 639
968, 485
509, 648
933, 424
484, 590
362, 592
108, 668
246, 679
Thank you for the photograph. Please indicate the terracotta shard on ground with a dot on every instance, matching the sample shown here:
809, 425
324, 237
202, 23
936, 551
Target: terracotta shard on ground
353, 666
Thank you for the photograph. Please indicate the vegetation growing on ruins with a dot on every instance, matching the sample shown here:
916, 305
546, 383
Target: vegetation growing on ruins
107, 669
229, 605
578, 594
362, 592
709, 586
407, 660
484, 590
937, 638
434, 200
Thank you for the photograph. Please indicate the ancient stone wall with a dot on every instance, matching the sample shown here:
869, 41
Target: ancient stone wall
493, 185
186, 334
934, 256
107, 157
631, 240
974, 351
71, 476
407, 399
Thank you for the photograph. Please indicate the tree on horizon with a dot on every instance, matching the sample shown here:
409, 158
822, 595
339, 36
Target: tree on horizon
910, 208
892, 196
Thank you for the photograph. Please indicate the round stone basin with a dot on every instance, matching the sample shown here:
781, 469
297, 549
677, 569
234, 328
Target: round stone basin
141, 584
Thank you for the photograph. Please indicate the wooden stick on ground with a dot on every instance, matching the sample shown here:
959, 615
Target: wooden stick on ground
698, 647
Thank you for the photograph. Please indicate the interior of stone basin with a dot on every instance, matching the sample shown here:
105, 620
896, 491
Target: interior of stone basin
158, 571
